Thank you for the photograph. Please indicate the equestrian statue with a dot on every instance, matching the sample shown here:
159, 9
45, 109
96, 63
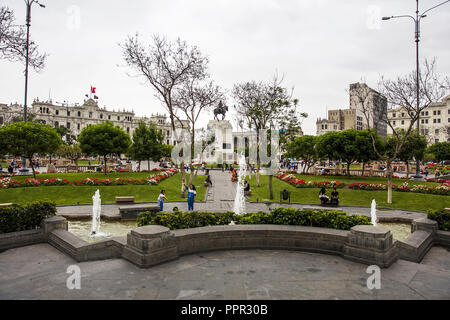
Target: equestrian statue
221, 109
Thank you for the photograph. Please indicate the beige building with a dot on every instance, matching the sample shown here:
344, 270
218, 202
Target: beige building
354, 118
76, 117
434, 121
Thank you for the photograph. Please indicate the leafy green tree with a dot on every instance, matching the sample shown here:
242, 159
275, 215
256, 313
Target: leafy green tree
65, 132
147, 143
25, 139
104, 139
440, 150
363, 144
72, 152
413, 148
303, 148
349, 146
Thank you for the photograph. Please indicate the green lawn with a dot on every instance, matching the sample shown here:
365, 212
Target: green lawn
401, 200
84, 175
86, 162
64, 195
351, 179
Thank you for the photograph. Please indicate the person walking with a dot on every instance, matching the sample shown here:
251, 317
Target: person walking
161, 198
192, 192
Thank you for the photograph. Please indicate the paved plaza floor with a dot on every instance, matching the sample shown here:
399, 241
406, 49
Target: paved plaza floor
40, 272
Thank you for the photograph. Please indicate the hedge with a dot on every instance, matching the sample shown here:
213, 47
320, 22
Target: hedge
442, 217
20, 218
281, 216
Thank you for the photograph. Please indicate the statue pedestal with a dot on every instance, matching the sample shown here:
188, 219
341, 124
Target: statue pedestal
224, 146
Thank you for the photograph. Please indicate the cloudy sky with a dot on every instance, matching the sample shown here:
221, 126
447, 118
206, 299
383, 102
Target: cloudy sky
320, 46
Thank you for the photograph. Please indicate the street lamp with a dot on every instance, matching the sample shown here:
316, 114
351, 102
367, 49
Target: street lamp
28, 3
417, 20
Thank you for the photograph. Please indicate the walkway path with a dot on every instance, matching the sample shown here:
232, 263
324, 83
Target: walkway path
40, 272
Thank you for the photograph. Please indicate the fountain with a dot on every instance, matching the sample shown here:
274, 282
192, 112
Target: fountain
96, 211
239, 200
373, 213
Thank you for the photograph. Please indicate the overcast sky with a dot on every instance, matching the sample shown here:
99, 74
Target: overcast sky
320, 46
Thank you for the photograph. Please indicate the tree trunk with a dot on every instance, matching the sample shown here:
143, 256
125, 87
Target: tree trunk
183, 180
389, 177
407, 170
104, 158
139, 165
32, 167
270, 187
348, 168
76, 163
148, 165
363, 167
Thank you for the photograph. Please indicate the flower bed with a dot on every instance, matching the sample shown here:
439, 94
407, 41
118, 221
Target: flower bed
443, 189
300, 183
31, 182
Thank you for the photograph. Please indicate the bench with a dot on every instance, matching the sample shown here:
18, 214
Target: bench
6, 204
127, 199
132, 212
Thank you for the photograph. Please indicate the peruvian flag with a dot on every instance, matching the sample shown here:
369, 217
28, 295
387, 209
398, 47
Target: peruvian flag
93, 89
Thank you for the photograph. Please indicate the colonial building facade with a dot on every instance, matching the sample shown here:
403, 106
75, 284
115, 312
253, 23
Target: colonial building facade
434, 121
76, 117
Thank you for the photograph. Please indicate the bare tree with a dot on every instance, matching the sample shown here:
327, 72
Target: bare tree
262, 106
400, 93
13, 42
193, 98
165, 65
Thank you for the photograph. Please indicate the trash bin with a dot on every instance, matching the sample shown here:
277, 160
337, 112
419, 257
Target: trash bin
285, 195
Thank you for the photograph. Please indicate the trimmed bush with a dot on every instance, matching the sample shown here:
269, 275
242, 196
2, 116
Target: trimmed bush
282, 216
442, 217
20, 218
183, 220
307, 217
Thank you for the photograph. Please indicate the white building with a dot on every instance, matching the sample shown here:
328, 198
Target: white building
434, 121
76, 117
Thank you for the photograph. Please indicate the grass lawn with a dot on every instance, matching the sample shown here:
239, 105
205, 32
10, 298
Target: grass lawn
401, 200
352, 179
84, 175
64, 195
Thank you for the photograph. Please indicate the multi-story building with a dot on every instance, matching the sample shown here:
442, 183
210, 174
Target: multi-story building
434, 121
76, 117
374, 105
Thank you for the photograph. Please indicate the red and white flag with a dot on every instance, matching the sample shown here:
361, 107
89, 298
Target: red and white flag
93, 89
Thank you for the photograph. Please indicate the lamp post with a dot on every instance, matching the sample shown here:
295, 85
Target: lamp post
417, 20
28, 3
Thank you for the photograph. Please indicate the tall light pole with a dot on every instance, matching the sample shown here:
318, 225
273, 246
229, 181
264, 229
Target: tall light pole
417, 20
28, 3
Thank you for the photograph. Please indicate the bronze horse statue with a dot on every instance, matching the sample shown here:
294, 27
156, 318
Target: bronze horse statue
221, 109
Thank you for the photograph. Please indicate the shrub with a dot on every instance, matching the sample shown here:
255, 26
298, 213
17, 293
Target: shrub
20, 218
280, 216
183, 220
442, 217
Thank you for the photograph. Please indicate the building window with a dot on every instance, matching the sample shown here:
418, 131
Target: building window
426, 132
393, 115
57, 112
436, 131
434, 120
403, 114
56, 124
68, 113
78, 126
1, 120
90, 114
118, 118
168, 142
109, 117
438, 120
403, 121
79, 114
101, 116
439, 112
448, 119
436, 140
423, 121
68, 125
426, 120
128, 130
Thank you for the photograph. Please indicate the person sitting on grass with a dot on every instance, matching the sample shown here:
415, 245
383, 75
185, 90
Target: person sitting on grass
161, 198
208, 181
335, 196
323, 195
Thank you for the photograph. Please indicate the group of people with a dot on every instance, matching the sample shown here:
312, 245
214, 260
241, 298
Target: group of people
324, 199
192, 193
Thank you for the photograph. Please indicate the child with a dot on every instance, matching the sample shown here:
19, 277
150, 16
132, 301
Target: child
191, 197
161, 198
